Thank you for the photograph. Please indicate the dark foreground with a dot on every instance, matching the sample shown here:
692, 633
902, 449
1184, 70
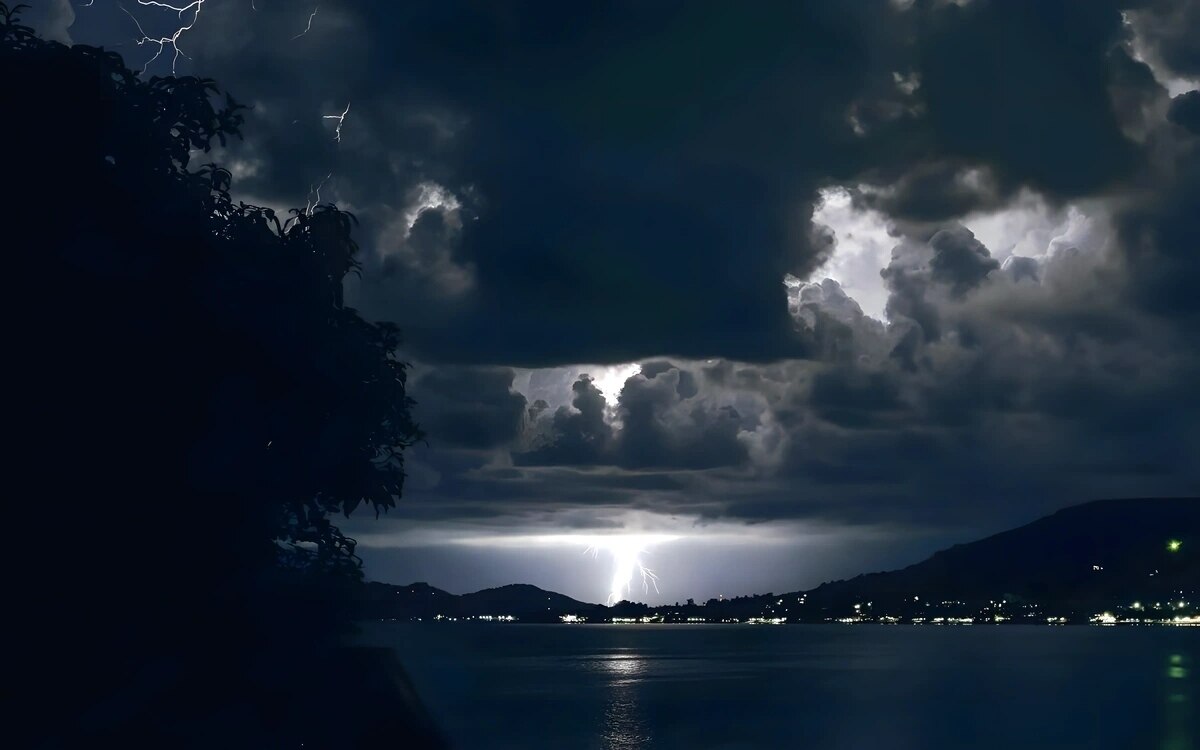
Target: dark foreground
741, 686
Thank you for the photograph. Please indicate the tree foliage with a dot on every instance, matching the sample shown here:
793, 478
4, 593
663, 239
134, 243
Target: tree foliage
334, 416
192, 400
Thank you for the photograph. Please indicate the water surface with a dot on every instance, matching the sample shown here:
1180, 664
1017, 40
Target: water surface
830, 687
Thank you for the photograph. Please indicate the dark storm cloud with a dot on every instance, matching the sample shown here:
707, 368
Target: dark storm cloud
1185, 111
1160, 235
960, 260
617, 186
933, 191
469, 407
549, 184
1008, 95
922, 277
1137, 96
854, 397
907, 278
634, 180
578, 434
662, 426
1170, 29
605, 184
1023, 87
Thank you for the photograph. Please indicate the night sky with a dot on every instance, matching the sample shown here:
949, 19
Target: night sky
815, 287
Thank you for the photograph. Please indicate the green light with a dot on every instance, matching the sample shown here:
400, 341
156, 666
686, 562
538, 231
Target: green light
1174, 545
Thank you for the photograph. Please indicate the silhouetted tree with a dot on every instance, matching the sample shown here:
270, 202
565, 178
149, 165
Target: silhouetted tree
190, 401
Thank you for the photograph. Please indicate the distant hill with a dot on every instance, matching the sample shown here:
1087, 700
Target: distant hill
1101, 556
522, 600
420, 600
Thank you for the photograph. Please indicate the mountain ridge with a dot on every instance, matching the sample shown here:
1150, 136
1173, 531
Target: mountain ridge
1071, 564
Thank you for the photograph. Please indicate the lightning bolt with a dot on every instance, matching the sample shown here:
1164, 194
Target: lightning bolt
337, 134
308, 28
627, 554
314, 194
171, 41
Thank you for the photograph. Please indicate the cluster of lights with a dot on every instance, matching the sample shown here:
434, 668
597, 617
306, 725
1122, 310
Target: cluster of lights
626, 551
480, 618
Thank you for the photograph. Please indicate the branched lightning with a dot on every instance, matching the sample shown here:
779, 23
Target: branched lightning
194, 7
337, 134
308, 28
314, 194
171, 41
627, 552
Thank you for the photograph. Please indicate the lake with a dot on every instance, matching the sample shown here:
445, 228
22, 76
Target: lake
873, 687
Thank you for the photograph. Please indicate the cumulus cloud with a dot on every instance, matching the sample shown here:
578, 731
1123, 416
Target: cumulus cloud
578, 434
959, 260
658, 423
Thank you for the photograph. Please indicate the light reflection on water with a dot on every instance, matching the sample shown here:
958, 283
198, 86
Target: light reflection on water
1177, 734
624, 726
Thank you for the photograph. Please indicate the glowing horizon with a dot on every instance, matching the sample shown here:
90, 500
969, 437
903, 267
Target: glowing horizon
627, 551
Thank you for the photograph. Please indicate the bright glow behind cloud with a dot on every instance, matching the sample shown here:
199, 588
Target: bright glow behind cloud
610, 379
863, 248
